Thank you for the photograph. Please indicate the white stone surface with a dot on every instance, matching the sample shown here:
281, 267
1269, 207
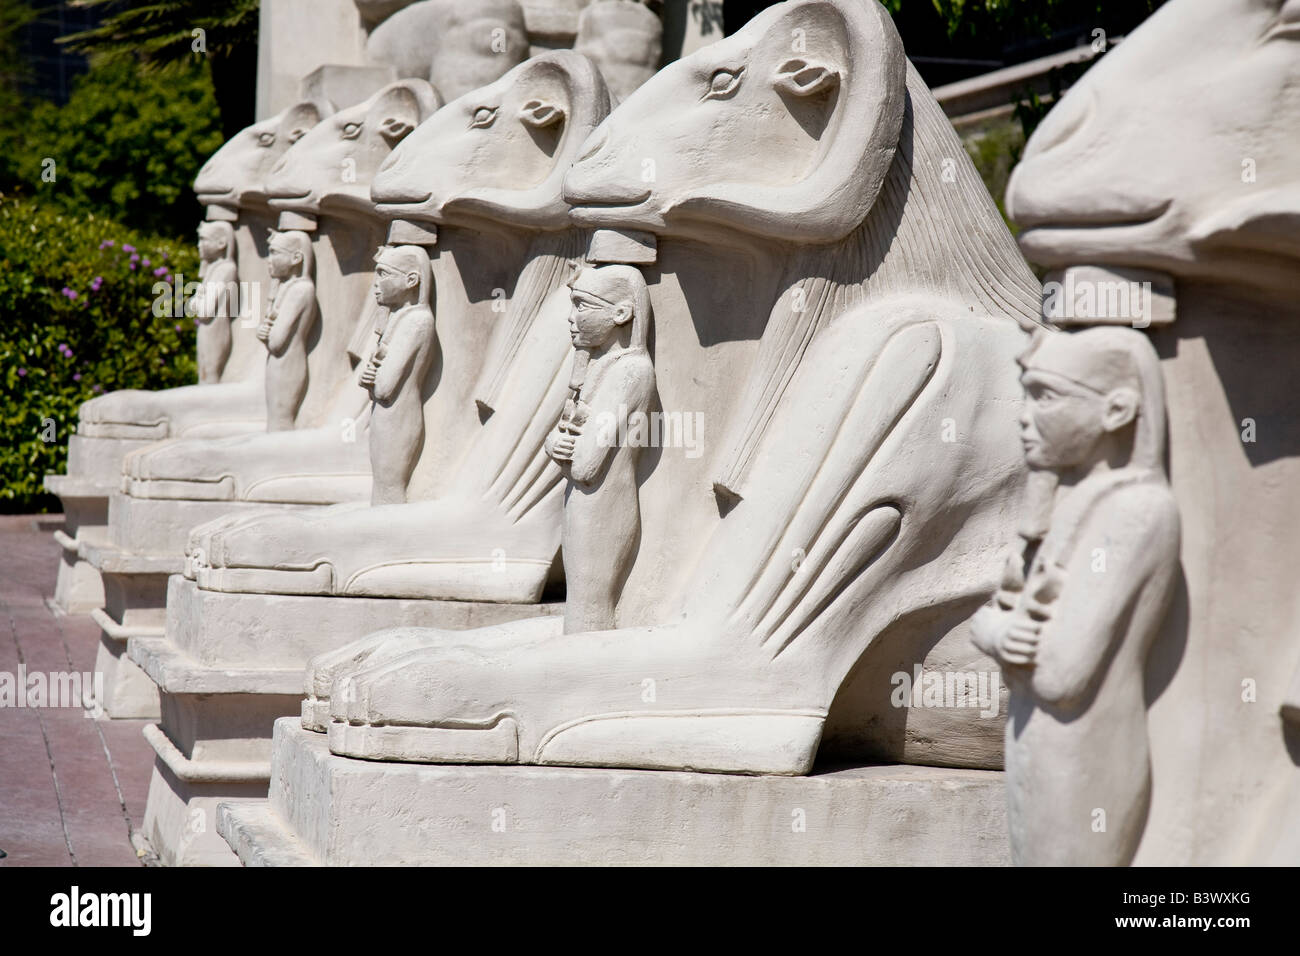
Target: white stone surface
334, 811
1176, 154
225, 667
482, 518
832, 309
297, 36
1082, 601
456, 46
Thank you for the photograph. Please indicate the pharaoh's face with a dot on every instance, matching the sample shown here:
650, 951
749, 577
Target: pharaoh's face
1062, 423
593, 319
211, 248
281, 263
392, 285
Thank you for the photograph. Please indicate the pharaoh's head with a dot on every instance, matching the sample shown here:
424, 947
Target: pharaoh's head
216, 241
289, 254
605, 300
402, 275
1091, 396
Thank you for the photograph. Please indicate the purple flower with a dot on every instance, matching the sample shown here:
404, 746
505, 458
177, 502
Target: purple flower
168, 277
98, 388
95, 283
160, 271
127, 247
70, 293
135, 257
106, 243
22, 372
145, 263
133, 267
178, 328
77, 377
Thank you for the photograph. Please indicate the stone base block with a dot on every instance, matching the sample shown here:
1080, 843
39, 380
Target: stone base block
275, 632
128, 691
180, 817
98, 461
161, 526
228, 666
78, 589
324, 809
212, 750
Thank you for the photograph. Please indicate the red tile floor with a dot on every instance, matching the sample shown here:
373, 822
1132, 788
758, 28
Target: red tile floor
72, 788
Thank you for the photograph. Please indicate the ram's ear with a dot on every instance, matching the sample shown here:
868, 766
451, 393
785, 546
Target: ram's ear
859, 64
297, 120
540, 113
400, 107
803, 77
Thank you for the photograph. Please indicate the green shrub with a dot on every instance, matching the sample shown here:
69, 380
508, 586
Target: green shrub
77, 319
127, 145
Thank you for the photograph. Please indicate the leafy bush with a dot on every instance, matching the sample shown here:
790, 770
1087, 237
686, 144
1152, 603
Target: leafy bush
77, 296
126, 145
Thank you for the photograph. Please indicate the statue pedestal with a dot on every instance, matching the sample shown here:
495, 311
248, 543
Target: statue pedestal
226, 667
94, 474
324, 809
143, 544
79, 589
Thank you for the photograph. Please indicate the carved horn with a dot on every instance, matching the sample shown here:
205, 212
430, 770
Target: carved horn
542, 206
427, 100
862, 135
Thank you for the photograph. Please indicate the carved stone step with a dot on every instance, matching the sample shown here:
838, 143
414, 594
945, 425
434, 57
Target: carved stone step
331, 810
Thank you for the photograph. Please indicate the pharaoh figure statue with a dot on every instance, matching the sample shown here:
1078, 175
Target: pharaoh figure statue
611, 388
287, 326
1076, 615
397, 367
216, 306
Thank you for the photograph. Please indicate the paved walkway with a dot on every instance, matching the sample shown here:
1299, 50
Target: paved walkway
72, 789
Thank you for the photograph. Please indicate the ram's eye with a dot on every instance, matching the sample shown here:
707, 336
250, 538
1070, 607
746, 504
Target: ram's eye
351, 130
723, 83
266, 139
295, 135
483, 117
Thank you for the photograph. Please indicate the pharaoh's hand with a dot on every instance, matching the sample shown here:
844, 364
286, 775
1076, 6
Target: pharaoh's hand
987, 627
369, 372
1018, 642
264, 330
581, 412
1009, 637
559, 444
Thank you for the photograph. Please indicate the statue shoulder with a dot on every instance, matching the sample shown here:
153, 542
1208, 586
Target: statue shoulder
223, 270
301, 292
419, 317
635, 372
1143, 510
